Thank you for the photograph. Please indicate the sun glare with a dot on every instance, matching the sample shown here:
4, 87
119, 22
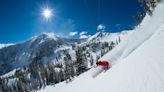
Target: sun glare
47, 13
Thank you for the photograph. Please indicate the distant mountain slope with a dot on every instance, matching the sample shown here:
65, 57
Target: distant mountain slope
44, 46
107, 37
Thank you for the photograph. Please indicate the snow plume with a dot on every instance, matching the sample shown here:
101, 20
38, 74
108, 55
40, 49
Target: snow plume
73, 33
101, 27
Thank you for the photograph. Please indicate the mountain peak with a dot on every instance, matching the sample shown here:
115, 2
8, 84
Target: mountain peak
49, 36
45, 37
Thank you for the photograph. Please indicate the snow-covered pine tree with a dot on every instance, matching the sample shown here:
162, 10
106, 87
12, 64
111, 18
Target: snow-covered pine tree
149, 5
81, 61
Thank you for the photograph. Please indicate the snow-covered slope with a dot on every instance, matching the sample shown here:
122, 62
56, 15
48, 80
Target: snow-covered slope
140, 62
140, 72
148, 27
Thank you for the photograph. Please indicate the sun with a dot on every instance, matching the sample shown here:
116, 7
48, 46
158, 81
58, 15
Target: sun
47, 13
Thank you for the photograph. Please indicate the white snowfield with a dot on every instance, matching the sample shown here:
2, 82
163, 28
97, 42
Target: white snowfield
140, 67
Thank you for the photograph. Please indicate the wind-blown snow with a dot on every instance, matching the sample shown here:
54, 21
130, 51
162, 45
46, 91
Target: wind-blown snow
140, 65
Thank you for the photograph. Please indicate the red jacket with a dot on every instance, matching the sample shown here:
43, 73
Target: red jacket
103, 63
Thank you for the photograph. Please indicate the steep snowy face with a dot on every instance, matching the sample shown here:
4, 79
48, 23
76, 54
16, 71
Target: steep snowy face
45, 48
146, 29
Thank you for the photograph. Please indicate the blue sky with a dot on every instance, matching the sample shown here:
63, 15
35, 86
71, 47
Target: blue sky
22, 19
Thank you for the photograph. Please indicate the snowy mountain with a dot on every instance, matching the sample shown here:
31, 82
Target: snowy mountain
107, 36
47, 46
137, 62
51, 47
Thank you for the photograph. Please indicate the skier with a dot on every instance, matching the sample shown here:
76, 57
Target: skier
105, 64
100, 67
